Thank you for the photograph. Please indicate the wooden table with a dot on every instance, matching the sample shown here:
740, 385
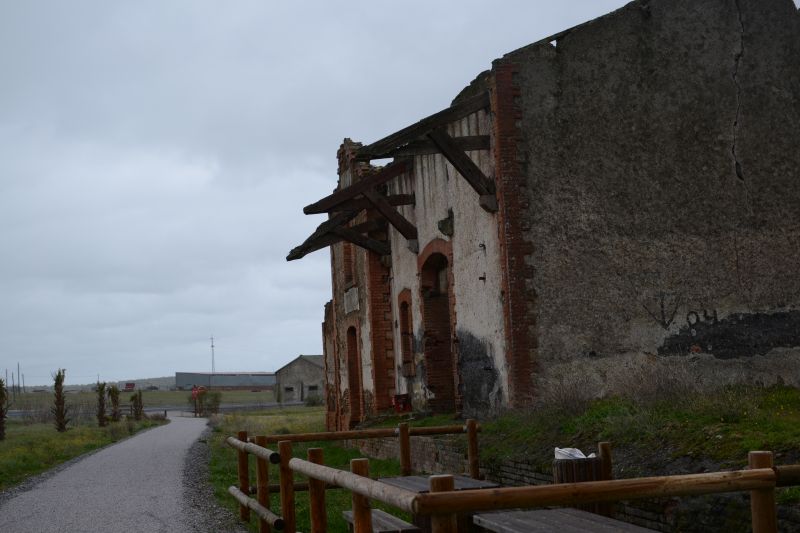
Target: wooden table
561, 520
422, 484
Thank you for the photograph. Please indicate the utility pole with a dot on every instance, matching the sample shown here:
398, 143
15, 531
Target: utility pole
23, 383
212, 361
19, 383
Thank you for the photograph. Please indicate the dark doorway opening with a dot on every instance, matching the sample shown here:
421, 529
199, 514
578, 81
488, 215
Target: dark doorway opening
353, 377
439, 365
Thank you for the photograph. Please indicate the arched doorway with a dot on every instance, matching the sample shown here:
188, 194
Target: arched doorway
439, 368
353, 377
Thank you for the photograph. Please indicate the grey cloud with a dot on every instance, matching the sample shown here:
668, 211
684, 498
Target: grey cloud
155, 158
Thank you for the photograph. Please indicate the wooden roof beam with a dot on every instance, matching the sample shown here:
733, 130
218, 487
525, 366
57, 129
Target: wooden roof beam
312, 245
457, 111
319, 241
398, 221
367, 183
373, 245
466, 167
426, 147
363, 203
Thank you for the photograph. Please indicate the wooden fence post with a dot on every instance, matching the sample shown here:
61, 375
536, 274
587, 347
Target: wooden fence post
604, 452
262, 483
606, 473
244, 477
316, 495
762, 501
472, 449
362, 514
405, 449
287, 487
443, 523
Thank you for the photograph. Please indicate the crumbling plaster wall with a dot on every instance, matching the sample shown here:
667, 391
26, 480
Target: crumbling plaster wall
480, 346
358, 318
332, 370
662, 167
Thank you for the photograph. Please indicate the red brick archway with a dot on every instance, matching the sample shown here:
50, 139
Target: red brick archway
436, 289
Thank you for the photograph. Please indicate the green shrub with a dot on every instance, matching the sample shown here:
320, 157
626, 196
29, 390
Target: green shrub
314, 400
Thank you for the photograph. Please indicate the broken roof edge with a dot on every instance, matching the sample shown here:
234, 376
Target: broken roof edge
545, 41
316, 360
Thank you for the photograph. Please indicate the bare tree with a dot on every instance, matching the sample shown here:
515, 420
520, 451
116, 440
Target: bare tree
113, 395
59, 402
3, 408
137, 406
102, 421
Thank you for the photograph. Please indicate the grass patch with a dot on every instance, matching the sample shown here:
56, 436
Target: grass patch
31, 449
294, 420
718, 427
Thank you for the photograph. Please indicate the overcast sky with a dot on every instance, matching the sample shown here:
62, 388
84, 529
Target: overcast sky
155, 158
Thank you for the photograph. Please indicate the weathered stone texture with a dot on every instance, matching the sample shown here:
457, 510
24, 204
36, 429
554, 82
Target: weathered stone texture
659, 147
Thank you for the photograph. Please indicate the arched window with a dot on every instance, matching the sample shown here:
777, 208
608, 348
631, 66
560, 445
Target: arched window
407, 340
354, 377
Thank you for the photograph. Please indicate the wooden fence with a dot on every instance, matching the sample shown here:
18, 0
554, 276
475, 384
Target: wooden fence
443, 504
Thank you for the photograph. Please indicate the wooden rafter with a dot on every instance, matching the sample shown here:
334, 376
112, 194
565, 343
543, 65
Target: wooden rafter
368, 183
466, 167
381, 148
400, 223
426, 147
373, 245
325, 234
312, 245
363, 203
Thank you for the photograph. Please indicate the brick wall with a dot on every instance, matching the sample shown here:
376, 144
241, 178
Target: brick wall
515, 247
431, 455
382, 332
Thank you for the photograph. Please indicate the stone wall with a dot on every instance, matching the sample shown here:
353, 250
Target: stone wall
658, 149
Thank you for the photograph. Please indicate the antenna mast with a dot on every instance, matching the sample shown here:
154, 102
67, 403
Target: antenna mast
212, 354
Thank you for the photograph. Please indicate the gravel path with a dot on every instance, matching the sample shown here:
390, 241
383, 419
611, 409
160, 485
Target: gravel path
154, 482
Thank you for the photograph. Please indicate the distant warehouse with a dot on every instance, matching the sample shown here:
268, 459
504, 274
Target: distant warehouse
225, 380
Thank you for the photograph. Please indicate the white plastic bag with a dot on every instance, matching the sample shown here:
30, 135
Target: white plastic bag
571, 453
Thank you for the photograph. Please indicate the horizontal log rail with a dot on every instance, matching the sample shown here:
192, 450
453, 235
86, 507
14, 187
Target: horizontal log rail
787, 475
258, 451
363, 486
299, 486
262, 512
594, 491
378, 433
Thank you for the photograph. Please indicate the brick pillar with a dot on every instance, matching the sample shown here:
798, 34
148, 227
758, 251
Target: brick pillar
512, 196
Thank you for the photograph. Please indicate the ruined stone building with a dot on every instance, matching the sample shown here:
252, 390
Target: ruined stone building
629, 187
300, 378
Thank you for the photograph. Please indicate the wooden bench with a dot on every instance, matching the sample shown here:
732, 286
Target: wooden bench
383, 523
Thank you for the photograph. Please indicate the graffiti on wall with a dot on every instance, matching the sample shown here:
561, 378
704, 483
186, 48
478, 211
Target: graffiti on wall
666, 309
737, 335
479, 385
